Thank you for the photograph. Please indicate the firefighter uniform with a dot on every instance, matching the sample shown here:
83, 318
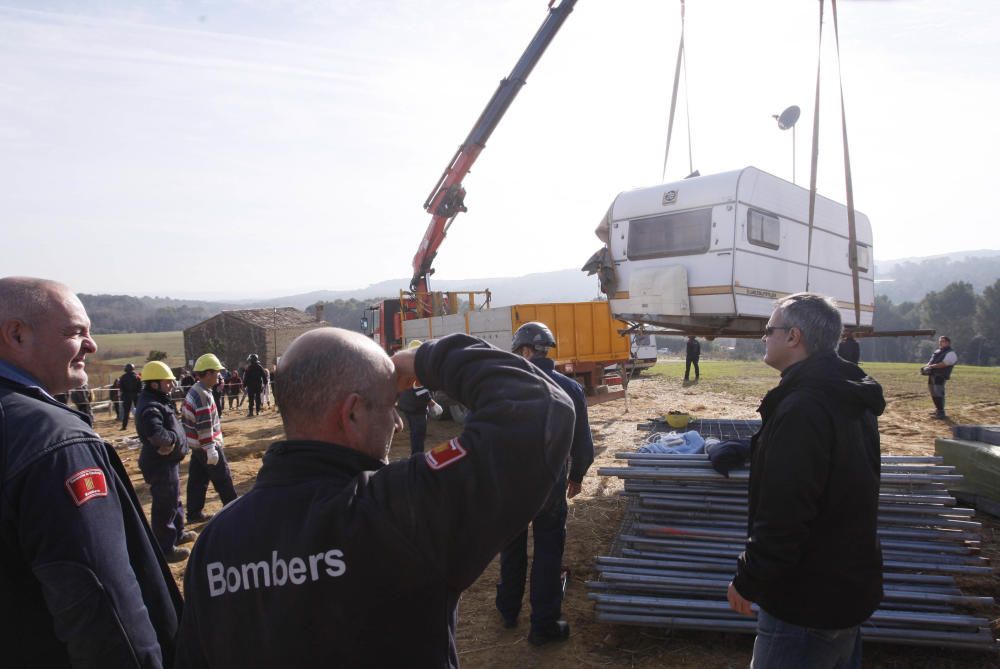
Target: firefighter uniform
335, 559
158, 428
548, 529
81, 582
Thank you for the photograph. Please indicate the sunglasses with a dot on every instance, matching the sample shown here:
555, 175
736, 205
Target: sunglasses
769, 330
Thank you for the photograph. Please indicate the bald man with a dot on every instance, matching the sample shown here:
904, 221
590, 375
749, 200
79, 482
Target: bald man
81, 581
337, 559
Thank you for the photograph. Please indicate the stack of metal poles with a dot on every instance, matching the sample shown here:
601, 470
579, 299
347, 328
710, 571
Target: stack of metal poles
686, 524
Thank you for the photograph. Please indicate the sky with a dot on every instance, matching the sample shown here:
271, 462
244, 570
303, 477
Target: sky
257, 148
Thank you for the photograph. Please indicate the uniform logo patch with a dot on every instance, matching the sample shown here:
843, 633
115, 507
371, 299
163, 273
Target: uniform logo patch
87, 484
446, 454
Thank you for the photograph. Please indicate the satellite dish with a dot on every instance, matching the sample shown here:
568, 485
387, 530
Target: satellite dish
788, 117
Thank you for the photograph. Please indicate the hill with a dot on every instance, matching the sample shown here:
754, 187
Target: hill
568, 285
901, 280
910, 279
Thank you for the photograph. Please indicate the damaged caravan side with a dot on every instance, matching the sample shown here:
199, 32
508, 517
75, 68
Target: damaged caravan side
709, 255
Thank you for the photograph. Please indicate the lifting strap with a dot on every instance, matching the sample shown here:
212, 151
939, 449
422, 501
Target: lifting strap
673, 103
852, 250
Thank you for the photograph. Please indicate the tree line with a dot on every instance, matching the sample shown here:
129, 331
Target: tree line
971, 320
114, 314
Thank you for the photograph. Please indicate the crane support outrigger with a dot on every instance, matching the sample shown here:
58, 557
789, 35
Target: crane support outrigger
447, 198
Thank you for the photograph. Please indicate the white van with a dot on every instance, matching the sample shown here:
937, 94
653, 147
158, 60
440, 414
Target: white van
709, 255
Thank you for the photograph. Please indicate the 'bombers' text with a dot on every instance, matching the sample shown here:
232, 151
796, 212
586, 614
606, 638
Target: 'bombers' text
276, 573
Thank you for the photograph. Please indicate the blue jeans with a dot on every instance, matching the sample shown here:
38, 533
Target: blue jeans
781, 645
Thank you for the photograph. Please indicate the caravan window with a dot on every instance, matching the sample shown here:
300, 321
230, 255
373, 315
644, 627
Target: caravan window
864, 257
763, 229
683, 233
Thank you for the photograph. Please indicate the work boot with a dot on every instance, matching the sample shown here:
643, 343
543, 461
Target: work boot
177, 554
187, 536
199, 517
555, 631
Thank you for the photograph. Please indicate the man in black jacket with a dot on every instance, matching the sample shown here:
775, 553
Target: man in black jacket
692, 354
163, 447
253, 381
81, 581
849, 348
129, 387
532, 341
813, 563
337, 559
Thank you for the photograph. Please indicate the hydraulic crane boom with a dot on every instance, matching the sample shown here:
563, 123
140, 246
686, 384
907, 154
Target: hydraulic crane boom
447, 199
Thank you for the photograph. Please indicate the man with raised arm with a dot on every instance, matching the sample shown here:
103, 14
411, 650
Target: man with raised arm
337, 559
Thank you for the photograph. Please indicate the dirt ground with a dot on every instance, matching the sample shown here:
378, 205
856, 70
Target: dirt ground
594, 517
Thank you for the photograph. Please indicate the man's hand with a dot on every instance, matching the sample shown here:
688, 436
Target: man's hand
406, 374
737, 602
573, 489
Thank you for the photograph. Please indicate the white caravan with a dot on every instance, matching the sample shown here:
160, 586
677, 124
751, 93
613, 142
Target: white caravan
709, 255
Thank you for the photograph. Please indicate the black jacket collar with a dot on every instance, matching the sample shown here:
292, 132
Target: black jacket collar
293, 460
839, 380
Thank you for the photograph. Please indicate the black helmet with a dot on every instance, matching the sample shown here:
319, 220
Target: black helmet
129, 367
252, 357
536, 335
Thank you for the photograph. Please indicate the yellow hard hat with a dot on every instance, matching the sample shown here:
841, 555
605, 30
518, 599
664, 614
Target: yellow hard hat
206, 362
414, 344
156, 370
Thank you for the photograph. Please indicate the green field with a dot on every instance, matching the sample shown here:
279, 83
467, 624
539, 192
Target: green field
903, 384
117, 349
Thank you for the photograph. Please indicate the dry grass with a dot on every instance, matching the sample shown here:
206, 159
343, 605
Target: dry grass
728, 389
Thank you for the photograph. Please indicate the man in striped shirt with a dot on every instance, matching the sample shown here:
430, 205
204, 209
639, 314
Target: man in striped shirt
203, 431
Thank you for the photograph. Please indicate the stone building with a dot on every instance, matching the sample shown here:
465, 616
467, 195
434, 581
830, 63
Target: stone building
233, 335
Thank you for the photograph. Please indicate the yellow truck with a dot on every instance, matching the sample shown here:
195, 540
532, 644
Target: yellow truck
588, 339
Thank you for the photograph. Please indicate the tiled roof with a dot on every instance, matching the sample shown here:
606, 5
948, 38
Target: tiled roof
274, 318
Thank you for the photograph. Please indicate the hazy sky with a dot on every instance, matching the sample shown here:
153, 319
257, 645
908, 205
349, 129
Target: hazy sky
262, 147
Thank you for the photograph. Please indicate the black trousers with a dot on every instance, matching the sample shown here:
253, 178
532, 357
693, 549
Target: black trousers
253, 400
200, 474
128, 400
417, 425
549, 531
687, 369
166, 517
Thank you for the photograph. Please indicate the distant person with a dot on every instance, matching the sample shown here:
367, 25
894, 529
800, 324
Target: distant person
187, 380
849, 348
81, 581
163, 448
234, 385
129, 387
82, 398
532, 341
812, 562
938, 370
219, 391
266, 393
337, 559
203, 430
115, 396
253, 381
413, 403
691, 357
